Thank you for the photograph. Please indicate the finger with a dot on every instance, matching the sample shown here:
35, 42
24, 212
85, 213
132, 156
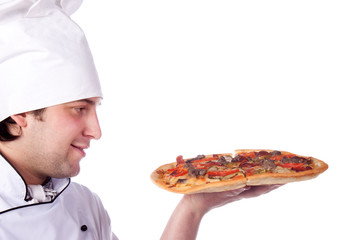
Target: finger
237, 192
259, 190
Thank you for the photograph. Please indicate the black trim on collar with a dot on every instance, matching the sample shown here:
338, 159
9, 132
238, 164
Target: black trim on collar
26, 187
35, 204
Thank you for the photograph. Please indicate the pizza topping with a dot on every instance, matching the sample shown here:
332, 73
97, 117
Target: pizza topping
268, 164
222, 160
261, 153
296, 166
294, 159
203, 160
193, 172
221, 167
177, 172
181, 180
248, 154
275, 153
239, 158
180, 159
280, 157
282, 170
255, 170
196, 158
223, 174
292, 165
210, 164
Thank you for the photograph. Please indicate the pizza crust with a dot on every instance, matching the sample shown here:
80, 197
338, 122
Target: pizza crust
231, 184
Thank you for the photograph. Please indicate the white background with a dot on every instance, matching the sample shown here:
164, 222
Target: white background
201, 77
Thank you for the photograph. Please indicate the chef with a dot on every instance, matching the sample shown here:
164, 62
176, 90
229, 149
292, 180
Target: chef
49, 93
45, 62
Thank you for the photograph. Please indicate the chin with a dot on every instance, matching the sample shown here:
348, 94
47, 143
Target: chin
70, 172
75, 172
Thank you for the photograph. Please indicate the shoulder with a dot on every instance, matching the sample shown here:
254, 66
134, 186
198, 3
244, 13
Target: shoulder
82, 193
80, 189
81, 198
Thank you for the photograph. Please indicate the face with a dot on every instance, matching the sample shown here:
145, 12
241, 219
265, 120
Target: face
56, 143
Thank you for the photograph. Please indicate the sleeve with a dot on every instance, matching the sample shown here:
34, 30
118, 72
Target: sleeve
114, 237
104, 221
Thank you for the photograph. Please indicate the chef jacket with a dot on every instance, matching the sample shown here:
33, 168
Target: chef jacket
74, 213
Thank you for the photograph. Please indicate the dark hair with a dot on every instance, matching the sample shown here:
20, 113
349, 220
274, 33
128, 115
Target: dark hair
6, 124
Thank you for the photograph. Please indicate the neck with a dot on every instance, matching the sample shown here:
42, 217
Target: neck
29, 177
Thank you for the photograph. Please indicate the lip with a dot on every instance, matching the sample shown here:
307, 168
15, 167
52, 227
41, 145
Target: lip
80, 149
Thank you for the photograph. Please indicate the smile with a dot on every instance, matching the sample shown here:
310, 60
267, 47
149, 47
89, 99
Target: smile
80, 149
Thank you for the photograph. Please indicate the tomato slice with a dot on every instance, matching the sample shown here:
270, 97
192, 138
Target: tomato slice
279, 157
179, 172
202, 160
294, 166
247, 154
199, 166
249, 172
210, 164
248, 165
223, 172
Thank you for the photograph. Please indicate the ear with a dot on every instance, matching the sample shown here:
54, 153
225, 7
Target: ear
20, 119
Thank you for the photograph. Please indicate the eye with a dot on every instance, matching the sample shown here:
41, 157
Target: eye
80, 109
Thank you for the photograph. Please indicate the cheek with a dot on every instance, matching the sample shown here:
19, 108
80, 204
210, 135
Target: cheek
60, 131
67, 130
57, 140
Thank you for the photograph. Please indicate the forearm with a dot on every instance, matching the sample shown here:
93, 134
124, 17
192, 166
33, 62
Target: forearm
184, 222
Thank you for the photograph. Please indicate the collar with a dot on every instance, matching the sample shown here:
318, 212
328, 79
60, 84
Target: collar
13, 189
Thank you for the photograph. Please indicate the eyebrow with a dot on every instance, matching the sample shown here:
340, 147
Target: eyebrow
88, 101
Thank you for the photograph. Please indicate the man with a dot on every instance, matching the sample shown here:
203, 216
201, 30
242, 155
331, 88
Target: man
49, 92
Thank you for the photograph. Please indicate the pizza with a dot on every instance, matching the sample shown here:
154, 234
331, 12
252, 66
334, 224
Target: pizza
247, 167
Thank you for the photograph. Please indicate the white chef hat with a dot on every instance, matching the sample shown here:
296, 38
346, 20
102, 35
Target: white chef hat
44, 56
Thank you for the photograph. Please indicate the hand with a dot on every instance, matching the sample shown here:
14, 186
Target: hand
204, 202
185, 220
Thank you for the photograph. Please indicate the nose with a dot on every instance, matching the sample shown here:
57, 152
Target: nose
93, 129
